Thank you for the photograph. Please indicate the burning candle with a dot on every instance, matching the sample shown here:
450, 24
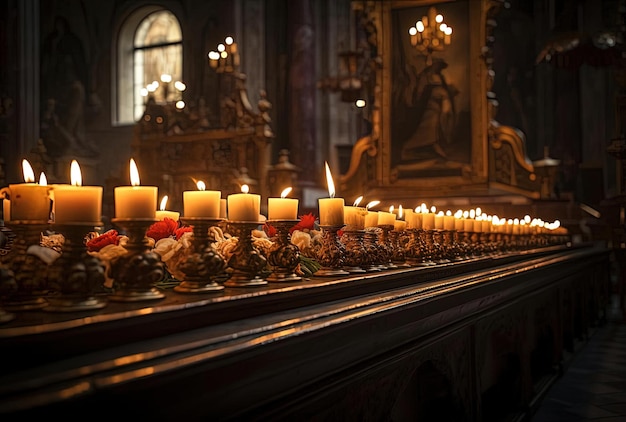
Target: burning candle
201, 203
439, 220
162, 213
282, 208
354, 216
386, 218
27, 201
75, 203
371, 219
331, 209
135, 201
399, 224
244, 206
448, 221
416, 219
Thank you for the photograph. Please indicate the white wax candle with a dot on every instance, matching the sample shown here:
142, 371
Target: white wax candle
458, 223
371, 219
135, 201
163, 214
28, 201
439, 221
244, 206
416, 221
282, 208
354, 217
448, 221
428, 221
77, 204
386, 218
468, 225
331, 211
201, 203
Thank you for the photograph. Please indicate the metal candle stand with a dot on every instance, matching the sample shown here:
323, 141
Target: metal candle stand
77, 275
356, 255
136, 272
247, 262
331, 253
284, 256
204, 265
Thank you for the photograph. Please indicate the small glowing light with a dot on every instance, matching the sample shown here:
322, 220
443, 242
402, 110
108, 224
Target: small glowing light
134, 173
180, 86
433, 209
419, 25
163, 203
223, 54
439, 18
76, 178
221, 48
449, 213
478, 211
143, 92
556, 224
228, 40
400, 214
29, 174
466, 214
391, 208
472, 213
527, 218
285, 192
43, 180
360, 103
440, 214
166, 78
214, 55
372, 204
448, 30
329, 181
357, 201
180, 104
412, 30
200, 184
443, 27
245, 188
418, 210
458, 214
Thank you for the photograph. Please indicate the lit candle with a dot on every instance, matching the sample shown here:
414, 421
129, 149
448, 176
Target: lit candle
75, 203
162, 213
371, 219
135, 201
354, 216
439, 220
331, 209
416, 219
244, 206
458, 221
428, 218
399, 225
27, 201
448, 221
468, 223
386, 218
282, 208
201, 203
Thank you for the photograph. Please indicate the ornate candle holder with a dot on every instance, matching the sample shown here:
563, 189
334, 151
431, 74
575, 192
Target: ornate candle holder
397, 241
374, 259
136, 272
356, 255
204, 265
247, 262
385, 244
331, 253
284, 256
412, 248
29, 272
77, 275
428, 247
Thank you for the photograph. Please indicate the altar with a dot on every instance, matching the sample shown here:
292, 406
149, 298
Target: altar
480, 339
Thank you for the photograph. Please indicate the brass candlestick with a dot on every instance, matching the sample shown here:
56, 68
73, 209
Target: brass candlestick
77, 275
29, 272
356, 255
247, 262
428, 247
204, 265
398, 242
284, 256
413, 249
136, 272
374, 257
385, 244
331, 253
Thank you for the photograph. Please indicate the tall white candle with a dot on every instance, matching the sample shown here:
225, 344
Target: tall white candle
282, 208
75, 203
244, 206
331, 209
135, 201
201, 203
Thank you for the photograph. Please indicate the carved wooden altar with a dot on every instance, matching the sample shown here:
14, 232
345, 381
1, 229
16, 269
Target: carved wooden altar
484, 158
176, 148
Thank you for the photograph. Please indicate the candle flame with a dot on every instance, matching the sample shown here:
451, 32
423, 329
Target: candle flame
76, 178
400, 211
163, 203
465, 214
449, 213
285, 192
433, 209
329, 181
478, 211
29, 174
200, 184
357, 201
372, 204
43, 180
134, 174
391, 209
245, 188
458, 214
418, 210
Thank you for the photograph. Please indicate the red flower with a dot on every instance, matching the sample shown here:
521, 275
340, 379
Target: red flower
307, 222
162, 229
340, 232
181, 230
269, 230
109, 238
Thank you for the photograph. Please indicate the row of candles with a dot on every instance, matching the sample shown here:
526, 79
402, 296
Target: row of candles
75, 203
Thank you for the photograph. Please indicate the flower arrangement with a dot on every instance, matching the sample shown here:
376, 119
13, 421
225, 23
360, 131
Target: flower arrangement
172, 243
107, 246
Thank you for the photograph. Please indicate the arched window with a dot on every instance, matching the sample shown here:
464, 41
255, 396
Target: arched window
149, 61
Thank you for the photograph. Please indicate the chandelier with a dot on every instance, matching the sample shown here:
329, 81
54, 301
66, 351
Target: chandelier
430, 34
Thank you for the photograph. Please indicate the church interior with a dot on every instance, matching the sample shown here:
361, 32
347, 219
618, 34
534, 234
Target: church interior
323, 209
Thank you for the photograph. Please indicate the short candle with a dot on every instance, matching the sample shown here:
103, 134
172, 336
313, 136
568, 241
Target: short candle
162, 213
27, 201
75, 203
201, 203
244, 206
331, 209
282, 208
135, 201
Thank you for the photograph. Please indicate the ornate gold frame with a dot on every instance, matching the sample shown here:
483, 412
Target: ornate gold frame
497, 160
